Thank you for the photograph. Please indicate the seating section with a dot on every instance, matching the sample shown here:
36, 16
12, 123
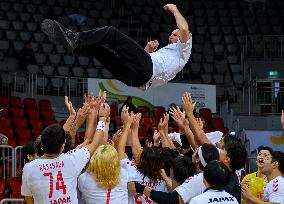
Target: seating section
218, 31
25, 119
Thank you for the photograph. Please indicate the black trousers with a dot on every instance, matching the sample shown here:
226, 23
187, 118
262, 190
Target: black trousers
121, 55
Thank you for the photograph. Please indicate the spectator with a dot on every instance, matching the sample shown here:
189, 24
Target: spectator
28, 152
128, 103
273, 168
216, 177
27, 55
3, 139
257, 181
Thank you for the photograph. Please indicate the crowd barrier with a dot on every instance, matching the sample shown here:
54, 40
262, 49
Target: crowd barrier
13, 200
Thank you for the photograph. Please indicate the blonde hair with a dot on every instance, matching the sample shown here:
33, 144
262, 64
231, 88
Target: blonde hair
105, 166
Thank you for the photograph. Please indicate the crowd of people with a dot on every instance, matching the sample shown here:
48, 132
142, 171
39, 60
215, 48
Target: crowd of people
100, 170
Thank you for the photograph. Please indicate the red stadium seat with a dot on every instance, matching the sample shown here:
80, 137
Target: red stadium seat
118, 121
15, 101
3, 101
23, 133
12, 142
217, 123
47, 114
159, 111
23, 142
207, 129
15, 184
113, 110
147, 121
5, 122
36, 132
206, 115
142, 132
44, 104
49, 122
20, 122
32, 113
143, 109
36, 124
5, 112
16, 195
30, 103
7, 131
2, 188
18, 112
224, 130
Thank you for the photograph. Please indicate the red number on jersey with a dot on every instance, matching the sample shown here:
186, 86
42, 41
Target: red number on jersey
60, 185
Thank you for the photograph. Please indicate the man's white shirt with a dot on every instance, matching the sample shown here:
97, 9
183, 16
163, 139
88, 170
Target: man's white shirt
213, 196
168, 61
274, 191
135, 175
191, 187
92, 193
51, 181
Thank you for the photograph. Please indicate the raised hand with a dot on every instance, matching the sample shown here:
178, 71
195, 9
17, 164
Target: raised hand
163, 124
136, 120
69, 106
104, 110
152, 46
126, 118
157, 138
200, 123
83, 112
187, 104
178, 116
115, 137
170, 7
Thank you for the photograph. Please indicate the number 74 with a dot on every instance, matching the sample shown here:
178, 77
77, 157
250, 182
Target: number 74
60, 185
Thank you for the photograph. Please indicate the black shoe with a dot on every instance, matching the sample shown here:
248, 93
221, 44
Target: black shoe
59, 34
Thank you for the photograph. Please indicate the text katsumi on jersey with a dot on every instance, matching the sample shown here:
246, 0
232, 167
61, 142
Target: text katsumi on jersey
53, 165
61, 200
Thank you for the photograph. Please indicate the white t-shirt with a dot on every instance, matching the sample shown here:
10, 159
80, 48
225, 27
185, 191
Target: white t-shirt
191, 187
274, 191
168, 61
213, 196
135, 175
54, 180
91, 193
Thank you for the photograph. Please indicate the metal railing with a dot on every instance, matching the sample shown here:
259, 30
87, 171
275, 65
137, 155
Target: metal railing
7, 161
13, 200
18, 163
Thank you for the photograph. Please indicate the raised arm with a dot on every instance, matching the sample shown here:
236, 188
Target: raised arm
98, 138
151, 46
188, 106
282, 119
182, 122
127, 120
72, 115
163, 129
92, 119
136, 146
181, 22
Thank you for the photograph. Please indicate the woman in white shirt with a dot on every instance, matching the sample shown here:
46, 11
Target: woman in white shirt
104, 180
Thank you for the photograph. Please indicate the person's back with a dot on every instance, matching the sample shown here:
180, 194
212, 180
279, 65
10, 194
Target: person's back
54, 179
94, 194
214, 196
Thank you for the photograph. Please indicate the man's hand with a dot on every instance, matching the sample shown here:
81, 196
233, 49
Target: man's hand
157, 138
83, 112
171, 7
282, 118
104, 110
200, 123
126, 117
152, 46
246, 194
187, 104
163, 124
69, 106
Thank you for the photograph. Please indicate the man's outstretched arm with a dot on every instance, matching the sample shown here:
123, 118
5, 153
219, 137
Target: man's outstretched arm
181, 22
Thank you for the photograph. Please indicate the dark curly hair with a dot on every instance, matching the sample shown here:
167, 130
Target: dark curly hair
151, 162
279, 157
236, 151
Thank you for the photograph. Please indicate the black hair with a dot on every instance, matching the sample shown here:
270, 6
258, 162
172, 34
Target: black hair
68, 143
38, 146
28, 149
151, 163
129, 98
183, 168
168, 156
209, 153
217, 174
236, 151
279, 157
52, 139
265, 148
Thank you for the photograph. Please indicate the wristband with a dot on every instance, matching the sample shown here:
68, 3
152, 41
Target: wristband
101, 126
139, 188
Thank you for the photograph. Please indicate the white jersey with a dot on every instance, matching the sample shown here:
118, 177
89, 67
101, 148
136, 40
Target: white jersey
51, 181
191, 187
274, 191
135, 175
213, 196
91, 193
